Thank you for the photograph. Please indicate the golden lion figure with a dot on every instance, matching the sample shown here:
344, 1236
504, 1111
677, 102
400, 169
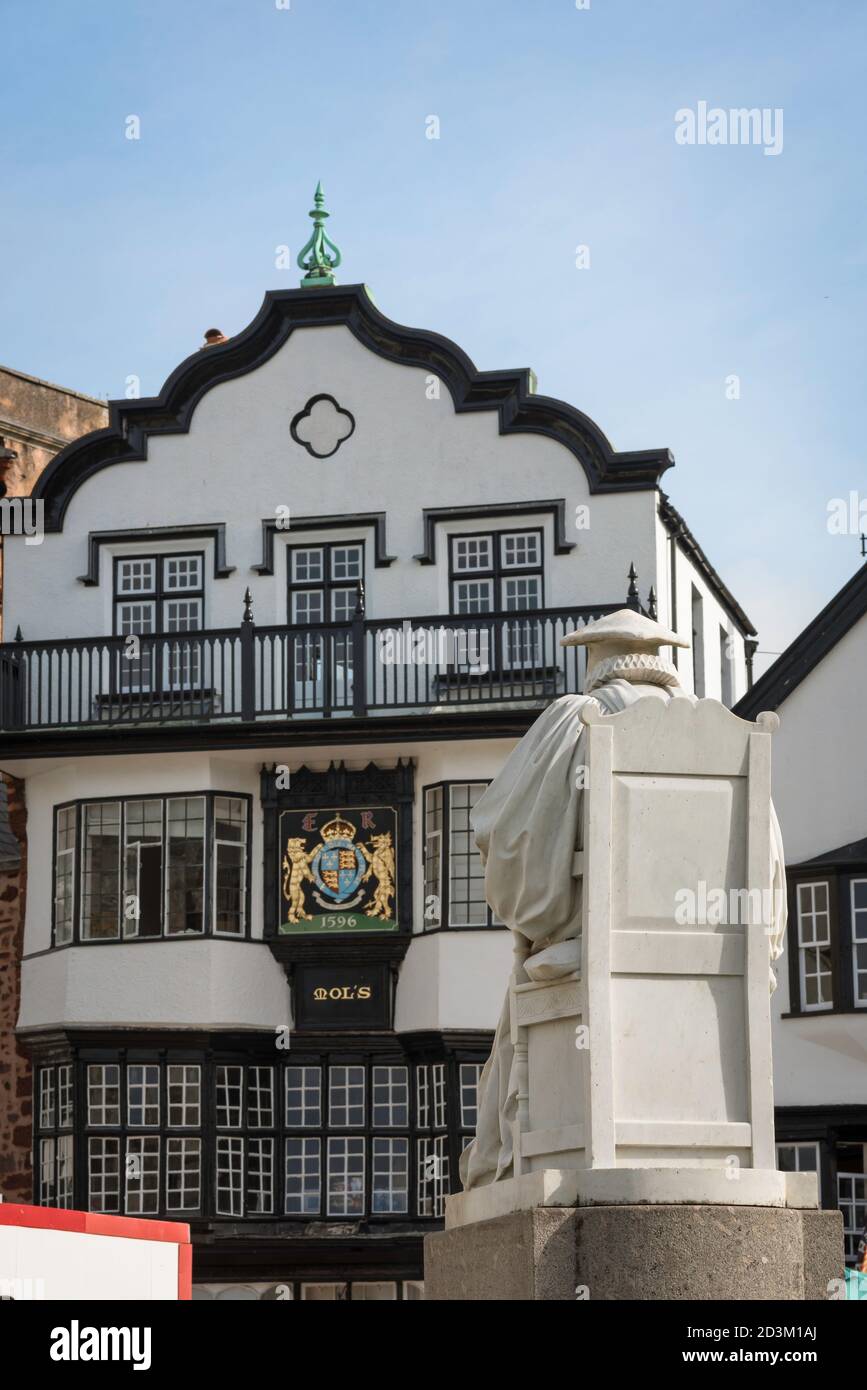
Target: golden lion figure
296, 869
381, 864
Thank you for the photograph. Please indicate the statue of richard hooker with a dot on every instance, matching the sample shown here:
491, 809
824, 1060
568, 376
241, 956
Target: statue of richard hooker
528, 825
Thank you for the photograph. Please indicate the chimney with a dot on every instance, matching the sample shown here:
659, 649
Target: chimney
213, 338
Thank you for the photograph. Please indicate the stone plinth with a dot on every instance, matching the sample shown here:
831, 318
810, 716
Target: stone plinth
647, 1252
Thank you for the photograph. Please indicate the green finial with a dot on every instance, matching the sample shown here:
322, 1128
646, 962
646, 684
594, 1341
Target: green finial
314, 258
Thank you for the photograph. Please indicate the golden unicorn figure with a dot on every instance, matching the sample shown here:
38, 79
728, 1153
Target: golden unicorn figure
381, 864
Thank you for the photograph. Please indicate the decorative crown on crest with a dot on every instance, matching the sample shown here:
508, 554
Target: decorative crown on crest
338, 829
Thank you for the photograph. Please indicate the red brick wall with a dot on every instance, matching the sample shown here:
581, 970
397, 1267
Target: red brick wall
16, 1082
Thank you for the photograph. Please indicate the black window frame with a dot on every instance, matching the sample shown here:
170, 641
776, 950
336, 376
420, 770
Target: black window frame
498, 572
326, 585
53, 1131
838, 879
160, 594
444, 924
123, 1130
210, 797
446, 1127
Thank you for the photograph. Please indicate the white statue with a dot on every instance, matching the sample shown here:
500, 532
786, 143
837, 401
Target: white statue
528, 826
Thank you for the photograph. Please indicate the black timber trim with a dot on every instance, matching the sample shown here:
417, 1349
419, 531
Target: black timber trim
296, 420
271, 528
810, 647
492, 511
677, 527
279, 734
851, 858
252, 1257
51, 1045
805, 1121
215, 531
132, 422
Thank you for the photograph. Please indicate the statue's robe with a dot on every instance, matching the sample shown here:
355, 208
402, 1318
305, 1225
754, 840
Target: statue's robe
528, 825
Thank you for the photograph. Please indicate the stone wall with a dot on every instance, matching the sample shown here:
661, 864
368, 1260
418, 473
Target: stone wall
16, 1086
36, 420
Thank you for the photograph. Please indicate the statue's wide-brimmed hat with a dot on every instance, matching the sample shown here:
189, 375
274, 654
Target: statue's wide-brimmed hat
632, 629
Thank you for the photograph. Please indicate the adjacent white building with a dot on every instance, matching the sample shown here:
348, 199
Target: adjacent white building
820, 1007
287, 620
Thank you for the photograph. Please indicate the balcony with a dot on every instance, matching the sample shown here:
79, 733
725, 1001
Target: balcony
252, 675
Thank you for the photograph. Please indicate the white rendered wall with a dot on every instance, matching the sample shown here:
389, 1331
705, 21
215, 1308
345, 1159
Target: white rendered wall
820, 792
819, 1059
820, 753
714, 617
451, 979
238, 464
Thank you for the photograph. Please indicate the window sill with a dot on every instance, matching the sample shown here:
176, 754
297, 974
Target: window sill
860, 1012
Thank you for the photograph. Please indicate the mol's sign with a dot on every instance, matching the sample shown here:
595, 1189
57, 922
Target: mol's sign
338, 870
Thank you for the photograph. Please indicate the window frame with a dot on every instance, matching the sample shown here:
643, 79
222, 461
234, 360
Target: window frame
697, 619
854, 941
327, 584
797, 1145
498, 571
125, 1136
160, 678
801, 947
56, 1132
444, 922
437, 1131
160, 595
209, 867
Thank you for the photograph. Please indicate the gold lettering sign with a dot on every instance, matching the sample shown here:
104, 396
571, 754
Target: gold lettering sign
343, 992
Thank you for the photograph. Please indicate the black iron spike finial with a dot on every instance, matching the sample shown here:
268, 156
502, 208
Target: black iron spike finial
651, 603
632, 599
359, 607
248, 606
19, 636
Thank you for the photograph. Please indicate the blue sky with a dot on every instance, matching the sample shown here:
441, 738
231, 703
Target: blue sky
556, 130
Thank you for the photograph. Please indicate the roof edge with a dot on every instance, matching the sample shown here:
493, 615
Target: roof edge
810, 647
132, 422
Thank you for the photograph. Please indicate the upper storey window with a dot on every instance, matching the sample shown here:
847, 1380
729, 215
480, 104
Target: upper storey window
162, 866
500, 571
323, 582
159, 594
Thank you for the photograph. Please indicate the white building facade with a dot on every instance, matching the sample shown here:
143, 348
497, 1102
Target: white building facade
820, 1006
286, 622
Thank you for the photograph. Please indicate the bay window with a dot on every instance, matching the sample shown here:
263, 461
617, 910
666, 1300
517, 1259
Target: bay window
313, 1137
138, 868
454, 880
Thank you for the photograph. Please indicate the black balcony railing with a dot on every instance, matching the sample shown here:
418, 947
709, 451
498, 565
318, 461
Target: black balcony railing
249, 673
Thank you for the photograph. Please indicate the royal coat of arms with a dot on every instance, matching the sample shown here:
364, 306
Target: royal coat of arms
334, 879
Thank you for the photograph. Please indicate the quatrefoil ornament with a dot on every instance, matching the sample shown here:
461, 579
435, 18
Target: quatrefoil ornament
322, 426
